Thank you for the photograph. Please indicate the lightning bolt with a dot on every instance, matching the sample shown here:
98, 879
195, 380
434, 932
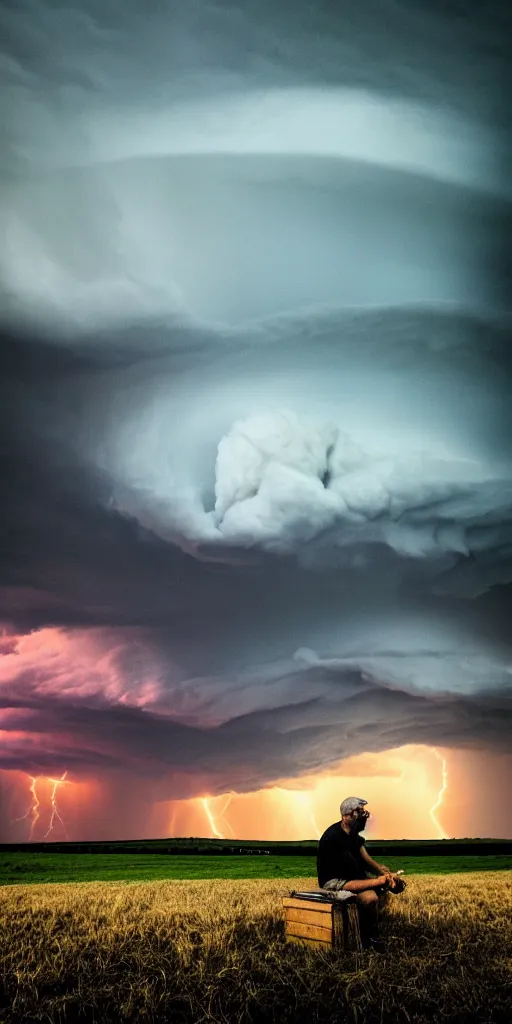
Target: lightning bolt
441, 793
222, 813
55, 811
211, 819
209, 815
33, 811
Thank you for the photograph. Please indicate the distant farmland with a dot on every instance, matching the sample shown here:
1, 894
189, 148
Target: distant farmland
203, 859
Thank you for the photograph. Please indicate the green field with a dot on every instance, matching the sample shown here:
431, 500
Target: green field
23, 868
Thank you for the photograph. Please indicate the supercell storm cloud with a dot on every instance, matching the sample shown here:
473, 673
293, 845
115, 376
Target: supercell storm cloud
257, 438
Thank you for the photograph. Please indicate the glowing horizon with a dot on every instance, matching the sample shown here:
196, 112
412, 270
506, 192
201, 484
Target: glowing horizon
306, 811
412, 793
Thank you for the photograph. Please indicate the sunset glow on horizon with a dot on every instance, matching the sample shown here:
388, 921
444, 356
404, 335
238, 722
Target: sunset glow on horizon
391, 782
413, 792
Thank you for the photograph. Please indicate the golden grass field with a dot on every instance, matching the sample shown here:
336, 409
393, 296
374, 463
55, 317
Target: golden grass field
214, 951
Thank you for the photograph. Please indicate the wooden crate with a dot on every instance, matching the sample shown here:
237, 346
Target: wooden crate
324, 925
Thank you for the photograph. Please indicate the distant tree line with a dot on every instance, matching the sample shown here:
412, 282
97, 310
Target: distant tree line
434, 849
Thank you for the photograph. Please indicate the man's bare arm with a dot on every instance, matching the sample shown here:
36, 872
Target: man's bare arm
373, 865
363, 884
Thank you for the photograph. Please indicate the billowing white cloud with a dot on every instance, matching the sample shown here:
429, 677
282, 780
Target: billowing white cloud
282, 482
383, 435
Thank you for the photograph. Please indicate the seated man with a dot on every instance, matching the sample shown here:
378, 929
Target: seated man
343, 863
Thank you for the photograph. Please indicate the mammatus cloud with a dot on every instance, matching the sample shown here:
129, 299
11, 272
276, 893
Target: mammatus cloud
255, 393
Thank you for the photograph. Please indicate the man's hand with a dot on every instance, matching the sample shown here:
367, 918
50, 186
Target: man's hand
394, 881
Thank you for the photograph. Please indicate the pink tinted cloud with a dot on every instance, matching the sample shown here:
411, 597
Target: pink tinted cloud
51, 680
79, 666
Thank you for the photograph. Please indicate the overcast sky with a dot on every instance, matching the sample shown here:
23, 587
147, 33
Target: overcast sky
256, 396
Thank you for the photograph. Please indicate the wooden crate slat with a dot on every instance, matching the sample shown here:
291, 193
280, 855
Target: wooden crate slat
309, 917
346, 930
322, 908
325, 924
309, 931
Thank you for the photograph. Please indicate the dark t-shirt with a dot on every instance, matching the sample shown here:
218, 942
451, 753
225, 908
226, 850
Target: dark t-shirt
339, 855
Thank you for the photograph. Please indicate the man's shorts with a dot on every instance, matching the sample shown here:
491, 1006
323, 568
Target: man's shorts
335, 884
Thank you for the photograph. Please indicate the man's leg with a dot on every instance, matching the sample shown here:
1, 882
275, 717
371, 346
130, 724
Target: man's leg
368, 903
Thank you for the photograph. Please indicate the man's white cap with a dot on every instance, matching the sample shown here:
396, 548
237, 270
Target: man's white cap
351, 804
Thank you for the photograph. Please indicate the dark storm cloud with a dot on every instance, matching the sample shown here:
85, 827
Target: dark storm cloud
60, 409
143, 156
249, 750
189, 667
247, 530
76, 562
429, 52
